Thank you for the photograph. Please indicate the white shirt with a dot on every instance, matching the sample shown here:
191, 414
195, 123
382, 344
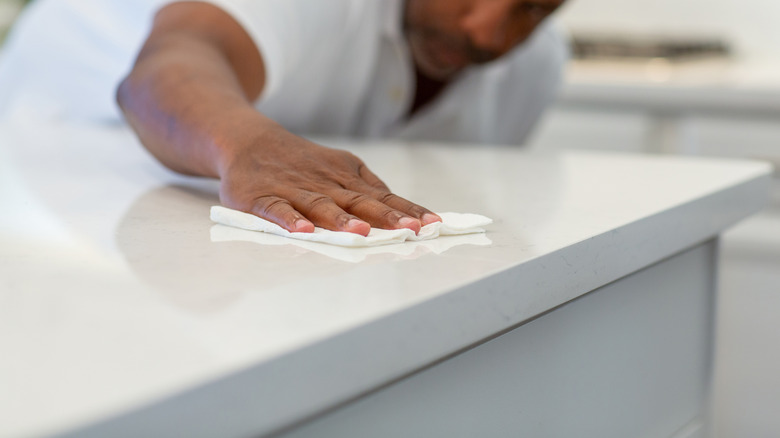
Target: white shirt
334, 67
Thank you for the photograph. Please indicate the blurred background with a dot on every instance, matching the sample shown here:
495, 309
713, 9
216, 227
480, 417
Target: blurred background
692, 77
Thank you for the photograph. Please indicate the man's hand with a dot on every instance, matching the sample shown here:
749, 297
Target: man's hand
189, 98
298, 184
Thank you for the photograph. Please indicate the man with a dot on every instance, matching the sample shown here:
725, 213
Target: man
219, 86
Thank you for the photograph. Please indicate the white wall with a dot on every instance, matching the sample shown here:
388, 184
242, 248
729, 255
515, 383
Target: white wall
752, 25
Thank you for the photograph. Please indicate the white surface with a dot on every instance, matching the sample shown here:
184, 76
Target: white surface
113, 295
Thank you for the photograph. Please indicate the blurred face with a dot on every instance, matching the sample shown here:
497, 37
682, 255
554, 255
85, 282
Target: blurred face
445, 36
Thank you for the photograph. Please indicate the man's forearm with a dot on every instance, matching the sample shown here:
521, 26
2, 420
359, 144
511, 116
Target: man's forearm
184, 101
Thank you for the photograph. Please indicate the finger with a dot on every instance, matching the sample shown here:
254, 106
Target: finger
424, 215
325, 213
282, 213
382, 193
376, 213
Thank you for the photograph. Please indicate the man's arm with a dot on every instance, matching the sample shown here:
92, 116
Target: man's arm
189, 98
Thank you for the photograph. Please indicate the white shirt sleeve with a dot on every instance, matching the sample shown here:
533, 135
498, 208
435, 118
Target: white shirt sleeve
287, 31
69, 55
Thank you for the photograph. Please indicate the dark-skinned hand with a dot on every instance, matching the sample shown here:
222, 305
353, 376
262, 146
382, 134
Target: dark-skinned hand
299, 184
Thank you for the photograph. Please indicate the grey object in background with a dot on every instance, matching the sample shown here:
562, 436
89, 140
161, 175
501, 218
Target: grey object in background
635, 47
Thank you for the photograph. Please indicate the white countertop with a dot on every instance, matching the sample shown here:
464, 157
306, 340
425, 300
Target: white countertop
743, 87
113, 294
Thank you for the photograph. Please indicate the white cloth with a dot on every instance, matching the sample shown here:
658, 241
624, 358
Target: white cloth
407, 251
335, 68
452, 224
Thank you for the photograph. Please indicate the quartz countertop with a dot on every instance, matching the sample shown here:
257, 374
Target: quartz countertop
119, 295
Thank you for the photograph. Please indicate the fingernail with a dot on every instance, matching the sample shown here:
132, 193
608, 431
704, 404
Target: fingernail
303, 226
359, 227
411, 223
429, 218
354, 223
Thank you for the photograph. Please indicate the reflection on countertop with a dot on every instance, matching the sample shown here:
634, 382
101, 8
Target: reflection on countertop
155, 248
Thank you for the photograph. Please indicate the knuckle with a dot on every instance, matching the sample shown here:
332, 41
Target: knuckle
390, 215
374, 182
352, 157
344, 218
353, 200
416, 210
318, 200
270, 204
402, 204
388, 197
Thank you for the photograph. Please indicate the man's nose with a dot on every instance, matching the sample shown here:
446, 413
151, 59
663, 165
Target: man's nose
487, 25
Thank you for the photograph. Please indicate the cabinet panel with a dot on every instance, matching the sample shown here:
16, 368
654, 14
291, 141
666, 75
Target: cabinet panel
631, 359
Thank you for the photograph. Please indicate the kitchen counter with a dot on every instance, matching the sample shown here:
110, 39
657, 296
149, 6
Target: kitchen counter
688, 107
745, 88
126, 312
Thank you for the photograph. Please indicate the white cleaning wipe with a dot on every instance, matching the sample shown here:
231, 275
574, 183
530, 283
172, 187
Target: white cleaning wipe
452, 224
406, 251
